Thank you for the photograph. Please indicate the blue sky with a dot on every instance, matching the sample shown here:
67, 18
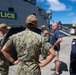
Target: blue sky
62, 10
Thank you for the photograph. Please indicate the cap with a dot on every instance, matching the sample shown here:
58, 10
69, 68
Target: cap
74, 25
8, 27
43, 26
31, 21
3, 25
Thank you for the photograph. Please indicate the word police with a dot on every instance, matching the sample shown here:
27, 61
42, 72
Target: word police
8, 15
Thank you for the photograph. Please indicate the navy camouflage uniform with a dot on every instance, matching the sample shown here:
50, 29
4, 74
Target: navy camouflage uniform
4, 66
27, 45
43, 33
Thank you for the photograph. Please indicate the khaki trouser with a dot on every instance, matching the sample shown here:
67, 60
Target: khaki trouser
57, 55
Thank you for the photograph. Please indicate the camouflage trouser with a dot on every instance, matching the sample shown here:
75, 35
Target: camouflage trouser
4, 67
28, 70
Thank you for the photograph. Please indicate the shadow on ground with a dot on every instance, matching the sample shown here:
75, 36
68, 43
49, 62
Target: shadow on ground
63, 67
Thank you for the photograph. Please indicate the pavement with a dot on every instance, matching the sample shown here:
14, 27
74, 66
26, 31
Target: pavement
64, 59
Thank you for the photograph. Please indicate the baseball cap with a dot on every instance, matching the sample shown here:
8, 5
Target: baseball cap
43, 26
31, 21
3, 25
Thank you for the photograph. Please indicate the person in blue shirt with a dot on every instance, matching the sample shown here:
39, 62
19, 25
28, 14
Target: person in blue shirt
73, 54
55, 41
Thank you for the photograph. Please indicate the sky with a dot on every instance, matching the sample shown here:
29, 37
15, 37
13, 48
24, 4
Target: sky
62, 10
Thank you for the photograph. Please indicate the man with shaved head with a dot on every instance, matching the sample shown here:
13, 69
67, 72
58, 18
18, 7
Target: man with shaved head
55, 41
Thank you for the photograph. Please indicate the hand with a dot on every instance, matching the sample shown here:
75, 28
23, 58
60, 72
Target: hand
49, 33
15, 62
46, 32
41, 64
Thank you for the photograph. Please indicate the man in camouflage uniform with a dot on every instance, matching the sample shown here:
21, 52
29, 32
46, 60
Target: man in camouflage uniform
27, 45
44, 31
3, 61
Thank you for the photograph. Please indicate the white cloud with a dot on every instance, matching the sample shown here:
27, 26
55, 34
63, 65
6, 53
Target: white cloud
55, 5
74, 21
70, 14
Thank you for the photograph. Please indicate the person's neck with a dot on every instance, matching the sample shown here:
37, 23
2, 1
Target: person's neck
55, 29
30, 29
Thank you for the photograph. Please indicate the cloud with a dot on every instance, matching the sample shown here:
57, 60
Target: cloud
73, 0
55, 5
74, 21
70, 14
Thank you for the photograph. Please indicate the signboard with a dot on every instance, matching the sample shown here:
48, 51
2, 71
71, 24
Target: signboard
8, 15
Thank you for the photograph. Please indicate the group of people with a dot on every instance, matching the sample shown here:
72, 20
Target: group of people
55, 40
28, 45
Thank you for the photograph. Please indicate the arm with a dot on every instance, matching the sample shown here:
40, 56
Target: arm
58, 37
49, 33
49, 58
7, 55
57, 42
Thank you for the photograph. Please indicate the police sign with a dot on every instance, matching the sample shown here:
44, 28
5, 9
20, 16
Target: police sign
8, 15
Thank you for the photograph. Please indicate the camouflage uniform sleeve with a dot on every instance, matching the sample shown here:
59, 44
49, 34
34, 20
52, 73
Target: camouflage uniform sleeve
45, 48
1, 42
9, 43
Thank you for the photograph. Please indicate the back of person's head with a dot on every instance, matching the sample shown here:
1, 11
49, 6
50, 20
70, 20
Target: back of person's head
31, 22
